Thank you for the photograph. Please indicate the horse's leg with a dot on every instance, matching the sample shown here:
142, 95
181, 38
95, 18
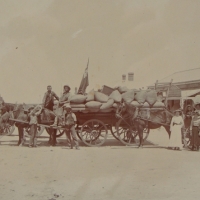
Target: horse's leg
55, 141
49, 133
140, 133
53, 137
21, 135
50, 137
167, 128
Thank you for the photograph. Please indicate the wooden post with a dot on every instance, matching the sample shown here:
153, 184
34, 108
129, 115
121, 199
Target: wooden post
167, 94
156, 84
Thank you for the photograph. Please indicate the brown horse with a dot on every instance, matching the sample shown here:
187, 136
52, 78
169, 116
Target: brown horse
6, 112
20, 113
141, 118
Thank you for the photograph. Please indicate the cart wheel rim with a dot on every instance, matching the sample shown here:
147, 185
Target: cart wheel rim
186, 138
129, 136
93, 132
7, 130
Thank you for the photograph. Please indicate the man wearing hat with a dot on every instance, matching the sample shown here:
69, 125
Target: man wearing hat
69, 119
33, 116
48, 100
63, 99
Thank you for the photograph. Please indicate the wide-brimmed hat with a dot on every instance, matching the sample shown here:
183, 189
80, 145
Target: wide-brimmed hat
32, 107
67, 86
196, 111
178, 110
198, 104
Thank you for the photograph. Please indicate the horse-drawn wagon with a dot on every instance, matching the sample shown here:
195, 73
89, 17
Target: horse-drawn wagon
128, 115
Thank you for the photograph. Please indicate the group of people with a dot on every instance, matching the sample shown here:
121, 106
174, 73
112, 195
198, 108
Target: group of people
179, 123
65, 118
63, 115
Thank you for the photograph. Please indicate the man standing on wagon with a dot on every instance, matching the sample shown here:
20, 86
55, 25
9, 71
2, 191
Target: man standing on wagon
63, 99
48, 100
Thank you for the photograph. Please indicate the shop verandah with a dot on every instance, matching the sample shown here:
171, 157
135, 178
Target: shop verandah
179, 89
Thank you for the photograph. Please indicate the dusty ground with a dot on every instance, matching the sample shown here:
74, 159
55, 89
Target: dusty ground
113, 171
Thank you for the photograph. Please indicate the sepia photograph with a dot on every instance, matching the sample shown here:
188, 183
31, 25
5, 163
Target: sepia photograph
99, 99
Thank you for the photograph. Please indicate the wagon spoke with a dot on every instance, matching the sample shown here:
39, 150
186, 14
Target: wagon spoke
89, 127
97, 140
99, 128
127, 134
93, 132
87, 134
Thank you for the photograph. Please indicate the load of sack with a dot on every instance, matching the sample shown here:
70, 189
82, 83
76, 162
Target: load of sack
196, 100
96, 101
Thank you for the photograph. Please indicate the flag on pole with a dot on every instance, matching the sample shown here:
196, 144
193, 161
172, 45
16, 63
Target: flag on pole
84, 82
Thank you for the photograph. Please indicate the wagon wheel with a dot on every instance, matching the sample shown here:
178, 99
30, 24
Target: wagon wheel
145, 133
7, 130
186, 138
93, 133
59, 133
128, 135
40, 130
78, 129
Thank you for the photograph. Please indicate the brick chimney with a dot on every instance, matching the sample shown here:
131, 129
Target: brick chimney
123, 78
130, 76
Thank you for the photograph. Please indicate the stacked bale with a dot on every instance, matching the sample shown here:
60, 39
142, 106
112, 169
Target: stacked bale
78, 98
151, 97
122, 89
100, 97
159, 104
90, 96
107, 105
116, 96
136, 104
93, 105
128, 96
96, 101
140, 96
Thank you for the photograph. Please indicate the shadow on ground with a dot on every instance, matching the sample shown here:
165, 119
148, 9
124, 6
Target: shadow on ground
62, 142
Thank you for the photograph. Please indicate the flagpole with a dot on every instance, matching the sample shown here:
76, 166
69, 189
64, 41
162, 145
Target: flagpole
84, 81
88, 62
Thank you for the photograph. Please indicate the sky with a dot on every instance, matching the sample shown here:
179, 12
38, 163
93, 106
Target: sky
49, 42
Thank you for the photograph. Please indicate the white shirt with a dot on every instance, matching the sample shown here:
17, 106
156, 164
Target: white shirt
178, 120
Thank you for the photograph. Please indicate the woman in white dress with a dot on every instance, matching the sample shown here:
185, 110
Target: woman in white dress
175, 141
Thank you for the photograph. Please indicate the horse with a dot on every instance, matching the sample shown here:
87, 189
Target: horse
5, 110
141, 118
20, 113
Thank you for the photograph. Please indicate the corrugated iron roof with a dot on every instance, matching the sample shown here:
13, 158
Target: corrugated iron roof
183, 76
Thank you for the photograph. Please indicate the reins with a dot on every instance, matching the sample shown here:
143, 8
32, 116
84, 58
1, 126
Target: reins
145, 119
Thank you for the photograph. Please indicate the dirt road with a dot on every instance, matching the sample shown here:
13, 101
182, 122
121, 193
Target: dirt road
110, 172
